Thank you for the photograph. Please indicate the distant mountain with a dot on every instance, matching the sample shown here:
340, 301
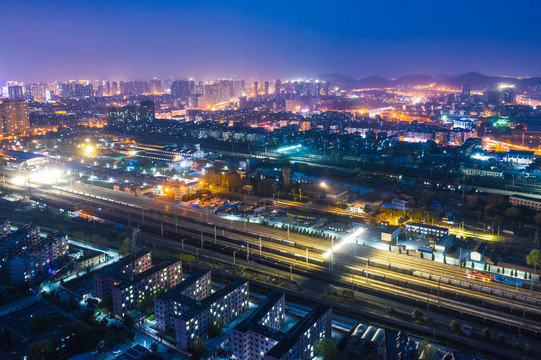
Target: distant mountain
415, 80
474, 79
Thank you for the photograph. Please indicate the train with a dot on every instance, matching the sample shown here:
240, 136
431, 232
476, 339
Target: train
496, 278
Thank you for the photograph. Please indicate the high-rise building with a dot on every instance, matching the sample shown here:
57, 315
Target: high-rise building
277, 88
147, 113
16, 116
114, 88
15, 93
122, 119
155, 86
181, 88
509, 96
256, 85
266, 88
466, 91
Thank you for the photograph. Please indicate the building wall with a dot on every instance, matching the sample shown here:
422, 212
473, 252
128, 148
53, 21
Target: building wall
126, 297
227, 308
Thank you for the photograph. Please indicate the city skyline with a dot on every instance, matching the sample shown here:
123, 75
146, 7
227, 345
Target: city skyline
284, 40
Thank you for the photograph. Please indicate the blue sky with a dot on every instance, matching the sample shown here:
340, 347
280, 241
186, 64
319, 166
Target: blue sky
58, 40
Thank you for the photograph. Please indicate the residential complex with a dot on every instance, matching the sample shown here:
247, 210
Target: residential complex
259, 335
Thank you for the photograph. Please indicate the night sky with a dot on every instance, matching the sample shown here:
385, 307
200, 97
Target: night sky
79, 39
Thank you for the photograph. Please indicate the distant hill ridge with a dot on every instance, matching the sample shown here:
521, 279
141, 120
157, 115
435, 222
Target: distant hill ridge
474, 79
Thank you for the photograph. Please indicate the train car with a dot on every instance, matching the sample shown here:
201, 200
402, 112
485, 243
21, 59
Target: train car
480, 276
508, 281
288, 243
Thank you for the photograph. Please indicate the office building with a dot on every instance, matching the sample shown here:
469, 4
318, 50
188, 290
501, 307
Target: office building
16, 116
266, 88
531, 203
256, 90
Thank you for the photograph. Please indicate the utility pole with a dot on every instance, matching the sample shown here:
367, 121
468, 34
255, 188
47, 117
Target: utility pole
214, 234
248, 252
182, 240
260, 246
162, 227
201, 239
176, 223
234, 252
307, 258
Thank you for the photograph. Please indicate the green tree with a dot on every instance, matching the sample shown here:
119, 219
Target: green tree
41, 350
40, 324
534, 258
216, 327
501, 338
198, 347
486, 333
325, 348
433, 257
421, 254
455, 326
417, 315
513, 213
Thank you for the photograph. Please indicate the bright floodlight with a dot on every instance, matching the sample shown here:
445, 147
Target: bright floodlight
349, 239
89, 150
323, 184
19, 180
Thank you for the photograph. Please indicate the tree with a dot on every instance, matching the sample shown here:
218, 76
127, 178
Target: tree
534, 258
486, 333
416, 315
325, 347
433, 257
198, 347
422, 256
41, 350
455, 326
40, 324
444, 259
216, 327
513, 213
501, 339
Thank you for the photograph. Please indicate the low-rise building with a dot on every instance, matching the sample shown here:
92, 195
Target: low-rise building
444, 244
478, 251
531, 203
390, 233
424, 229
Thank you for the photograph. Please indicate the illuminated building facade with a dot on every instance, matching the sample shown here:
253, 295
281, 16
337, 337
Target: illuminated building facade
16, 116
197, 287
127, 294
225, 304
